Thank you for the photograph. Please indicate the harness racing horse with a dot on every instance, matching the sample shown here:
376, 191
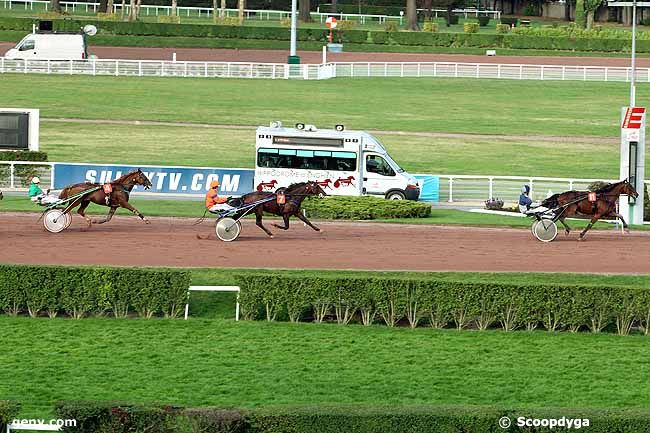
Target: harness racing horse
577, 203
294, 195
118, 196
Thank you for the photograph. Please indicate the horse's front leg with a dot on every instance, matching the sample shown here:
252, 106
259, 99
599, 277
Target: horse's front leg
111, 212
258, 222
285, 217
306, 221
126, 205
625, 227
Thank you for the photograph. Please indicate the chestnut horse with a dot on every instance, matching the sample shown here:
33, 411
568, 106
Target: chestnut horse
118, 197
293, 194
577, 203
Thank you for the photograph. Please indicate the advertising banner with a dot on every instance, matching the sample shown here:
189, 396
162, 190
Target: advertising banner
165, 180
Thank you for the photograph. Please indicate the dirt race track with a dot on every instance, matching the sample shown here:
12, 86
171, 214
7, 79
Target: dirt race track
172, 242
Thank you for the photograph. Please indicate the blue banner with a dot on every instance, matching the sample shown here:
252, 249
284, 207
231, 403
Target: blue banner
165, 180
429, 187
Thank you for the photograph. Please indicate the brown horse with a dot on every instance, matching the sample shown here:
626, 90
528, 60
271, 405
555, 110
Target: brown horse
293, 194
118, 197
577, 203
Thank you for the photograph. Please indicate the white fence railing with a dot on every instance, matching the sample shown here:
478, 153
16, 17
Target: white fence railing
164, 68
260, 14
489, 71
15, 176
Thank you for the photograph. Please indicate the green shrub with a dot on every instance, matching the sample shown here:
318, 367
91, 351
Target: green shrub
380, 37
503, 28
107, 16
390, 26
22, 24
364, 208
116, 417
510, 21
430, 26
469, 27
123, 417
453, 19
8, 155
446, 302
8, 412
483, 20
345, 25
82, 291
168, 19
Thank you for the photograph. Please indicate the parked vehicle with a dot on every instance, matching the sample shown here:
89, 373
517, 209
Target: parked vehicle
342, 162
55, 46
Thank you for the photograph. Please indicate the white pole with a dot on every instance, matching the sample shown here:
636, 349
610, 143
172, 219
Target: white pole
632, 80
324, 54
292, 51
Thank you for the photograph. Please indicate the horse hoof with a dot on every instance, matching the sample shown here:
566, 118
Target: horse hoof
271, 236
147, 222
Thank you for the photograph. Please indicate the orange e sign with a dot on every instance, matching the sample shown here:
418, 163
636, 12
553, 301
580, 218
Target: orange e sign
633, 117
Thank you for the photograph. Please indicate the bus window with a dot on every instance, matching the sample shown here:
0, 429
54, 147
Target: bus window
306, 159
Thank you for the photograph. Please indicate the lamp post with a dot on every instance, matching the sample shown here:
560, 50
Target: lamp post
293, 58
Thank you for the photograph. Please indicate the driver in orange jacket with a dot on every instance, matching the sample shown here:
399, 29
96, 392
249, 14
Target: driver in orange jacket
213, 202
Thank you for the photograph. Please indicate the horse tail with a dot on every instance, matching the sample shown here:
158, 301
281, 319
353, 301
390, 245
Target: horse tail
551, 202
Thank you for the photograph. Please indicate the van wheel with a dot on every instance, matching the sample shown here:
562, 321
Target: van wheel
395, 195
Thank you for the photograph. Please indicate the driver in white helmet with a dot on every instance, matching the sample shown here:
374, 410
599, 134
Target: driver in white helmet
37, 195
527, 205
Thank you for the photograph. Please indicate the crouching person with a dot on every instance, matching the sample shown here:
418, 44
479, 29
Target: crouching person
214, 203
37, 195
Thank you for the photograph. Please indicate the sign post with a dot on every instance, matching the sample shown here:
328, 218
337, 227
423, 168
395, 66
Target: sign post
632, 165
330, 22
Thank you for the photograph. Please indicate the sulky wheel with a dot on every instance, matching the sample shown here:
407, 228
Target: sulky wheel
227, 229
68, 219
56, 221
545, 230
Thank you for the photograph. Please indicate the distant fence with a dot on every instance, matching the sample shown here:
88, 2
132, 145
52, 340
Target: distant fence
261, 14
15, 176
164, 68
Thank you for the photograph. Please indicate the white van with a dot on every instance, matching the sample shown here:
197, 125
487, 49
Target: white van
342, 162
58, 46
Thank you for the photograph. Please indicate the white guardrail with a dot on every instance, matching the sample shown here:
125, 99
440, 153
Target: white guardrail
15, 176
165, 68
260, 14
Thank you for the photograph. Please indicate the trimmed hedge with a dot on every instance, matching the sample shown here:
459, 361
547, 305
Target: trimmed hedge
78, 292
443, 303
602, 41
364, 208
9, 155
8, 412
123, 418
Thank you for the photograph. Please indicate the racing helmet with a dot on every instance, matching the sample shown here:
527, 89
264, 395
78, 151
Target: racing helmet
35, 179
214, 184
525, 189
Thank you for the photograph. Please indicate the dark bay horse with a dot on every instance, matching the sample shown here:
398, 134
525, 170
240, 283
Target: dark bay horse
294, 195
577, 203
118, 197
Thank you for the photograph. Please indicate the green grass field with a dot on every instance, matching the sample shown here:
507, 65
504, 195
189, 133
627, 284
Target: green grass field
220, 362
410, 105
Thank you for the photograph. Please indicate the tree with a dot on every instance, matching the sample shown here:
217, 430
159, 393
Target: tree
428, 7
303, 11
412, 15
103, 4
242, 6
333, 10
590, 8
580, 14
174, 6
133, 11
55, 6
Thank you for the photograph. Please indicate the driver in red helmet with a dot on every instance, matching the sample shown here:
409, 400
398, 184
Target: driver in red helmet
213, 202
